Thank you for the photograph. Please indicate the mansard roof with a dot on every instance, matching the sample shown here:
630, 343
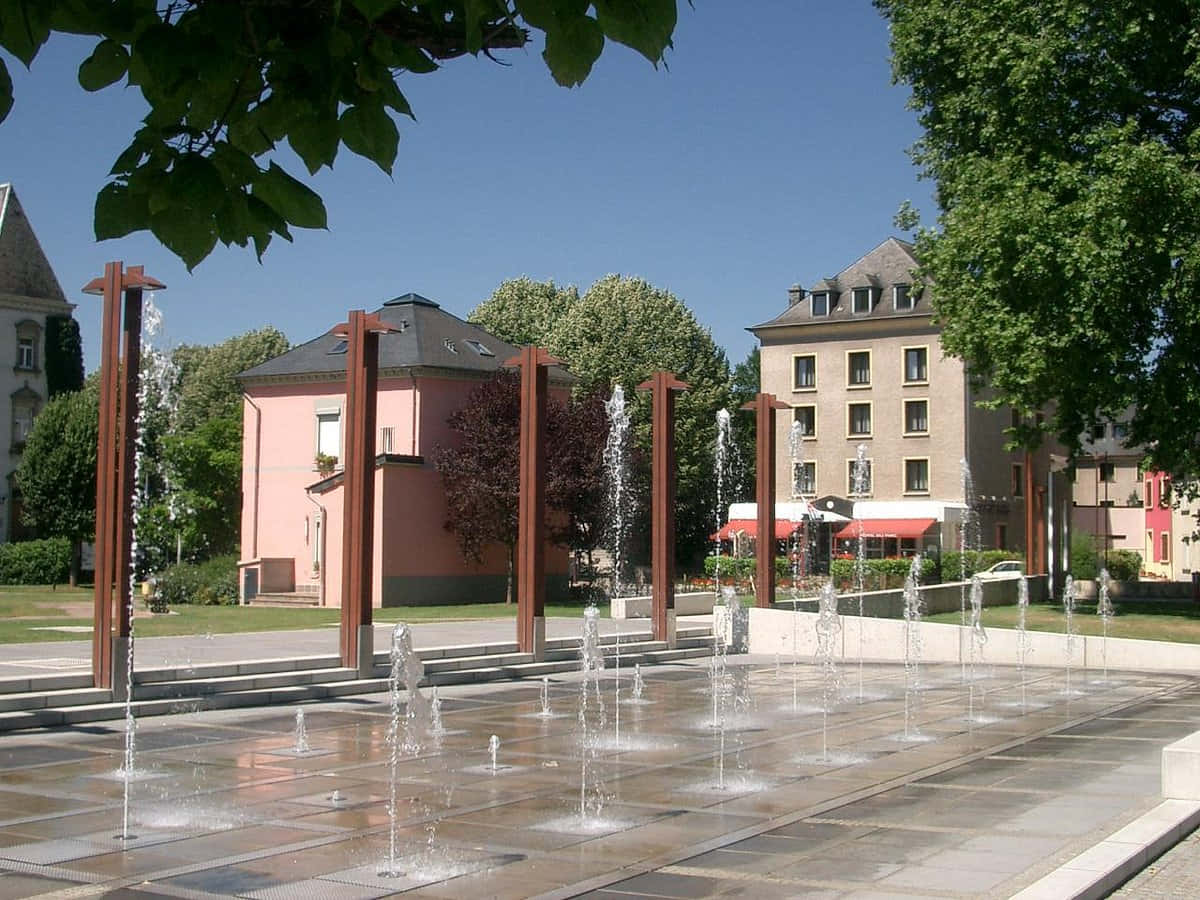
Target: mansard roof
426, 336
889, 264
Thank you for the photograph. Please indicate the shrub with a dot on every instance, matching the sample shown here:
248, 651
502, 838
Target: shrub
210, 583
1122, 565
1083, 556
35, 562
879, 574
976, 561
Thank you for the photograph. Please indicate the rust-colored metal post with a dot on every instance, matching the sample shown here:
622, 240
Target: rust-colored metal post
764, 406
664, 386
1040, 512
358, 486
531, 507
106, 462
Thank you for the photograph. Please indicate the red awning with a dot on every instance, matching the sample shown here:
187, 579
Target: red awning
749, 527
892, 528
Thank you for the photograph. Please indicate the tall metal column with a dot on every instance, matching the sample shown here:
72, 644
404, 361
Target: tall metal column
764, 406
664, 386
1031, 564
531, 510
361, 332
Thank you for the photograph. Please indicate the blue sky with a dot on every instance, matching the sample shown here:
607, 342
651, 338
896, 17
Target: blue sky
770, 150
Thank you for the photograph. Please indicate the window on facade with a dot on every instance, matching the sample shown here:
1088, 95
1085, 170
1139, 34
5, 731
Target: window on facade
901, 298
820, 303
29, 335
916, 364
1108, 471
1164, 546
25, 354
806, 418
1018, 479
1149, 495
853, 485
329, 434
23, 415
862, 301
916, 476
916, 416
1164, 493
860, 419
1001, 536
1098, 432
1120, 431
479, 348
859, 365
804, 478
387, 438
804, 373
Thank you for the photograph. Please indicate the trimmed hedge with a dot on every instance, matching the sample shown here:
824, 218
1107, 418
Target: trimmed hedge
879, 574
211, 583
1123, 565
743, 568
35, 562
977, 561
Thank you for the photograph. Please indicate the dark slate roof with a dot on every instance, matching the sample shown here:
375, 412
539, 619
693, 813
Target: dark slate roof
889, 264
24, 269
426, 337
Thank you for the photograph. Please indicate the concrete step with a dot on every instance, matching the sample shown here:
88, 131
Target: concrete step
294, 600
201, 687
44, 699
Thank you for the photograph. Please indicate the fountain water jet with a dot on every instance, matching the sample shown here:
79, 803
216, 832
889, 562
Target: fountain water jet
591, 718
1069, 620
301, 745
616, 464
968, 540
407, 670
493, 750
912, 642
829, 628
1104, 609
978, 638
1024, 644
862, 478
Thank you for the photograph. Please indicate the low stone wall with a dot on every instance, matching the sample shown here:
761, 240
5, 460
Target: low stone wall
1087, 589
773, 630
937, 598
697, 603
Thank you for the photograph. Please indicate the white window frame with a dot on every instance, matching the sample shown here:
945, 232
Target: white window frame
870, 369
855, 294
850, 419
813, 386
904, 416
387, 438
913, 492
806, 462
813, 407
812, 304
896, 297
904, 365
325, 412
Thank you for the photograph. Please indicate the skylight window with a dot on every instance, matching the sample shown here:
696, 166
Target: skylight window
449, 345
339, 347
478, 347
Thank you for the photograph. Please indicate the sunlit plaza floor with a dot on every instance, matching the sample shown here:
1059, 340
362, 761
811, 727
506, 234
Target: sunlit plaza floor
955, 806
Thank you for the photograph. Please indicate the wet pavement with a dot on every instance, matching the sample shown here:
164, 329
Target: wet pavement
223, 804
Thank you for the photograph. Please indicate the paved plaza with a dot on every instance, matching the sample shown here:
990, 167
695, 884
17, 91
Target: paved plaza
224, 805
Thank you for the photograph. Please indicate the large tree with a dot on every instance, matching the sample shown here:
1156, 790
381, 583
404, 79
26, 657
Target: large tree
226, 83
619, 332
523, 311
57, 472
1062, 137
64, 355
481, 470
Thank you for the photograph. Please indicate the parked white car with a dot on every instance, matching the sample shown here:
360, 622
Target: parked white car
1009, 568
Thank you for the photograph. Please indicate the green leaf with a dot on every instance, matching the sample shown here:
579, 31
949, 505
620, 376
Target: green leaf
24, 27
108, 64
369, 131
315, 141
6, 91
373, 9
295, 202
190, 237
119, 212
644, 25
572, 46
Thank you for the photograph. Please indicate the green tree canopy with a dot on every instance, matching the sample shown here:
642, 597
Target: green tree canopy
64, 355
522, 311
1062, 136
208, 385
227, 83
57, 472
619, 332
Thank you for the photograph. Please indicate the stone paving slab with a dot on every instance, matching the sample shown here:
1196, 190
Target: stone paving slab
981, 812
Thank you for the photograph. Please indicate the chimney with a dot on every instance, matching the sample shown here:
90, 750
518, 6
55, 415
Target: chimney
795, 294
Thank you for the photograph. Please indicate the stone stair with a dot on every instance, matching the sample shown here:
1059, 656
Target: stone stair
305, 596
70, 700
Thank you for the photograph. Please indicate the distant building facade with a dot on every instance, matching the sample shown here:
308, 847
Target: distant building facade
29, 295
858, 359
294, 413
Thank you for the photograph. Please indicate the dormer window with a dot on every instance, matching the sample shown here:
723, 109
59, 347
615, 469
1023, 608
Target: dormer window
902, 297
862, 301
479, 348
449, 345
338, 348
820, 303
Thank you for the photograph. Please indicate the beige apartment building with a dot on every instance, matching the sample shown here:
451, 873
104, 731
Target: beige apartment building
858, 359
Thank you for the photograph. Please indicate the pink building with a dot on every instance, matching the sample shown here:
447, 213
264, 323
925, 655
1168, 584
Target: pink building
1159, 541
293, 413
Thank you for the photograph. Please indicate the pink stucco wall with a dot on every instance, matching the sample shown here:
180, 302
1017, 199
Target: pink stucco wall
279, 518
1158, 522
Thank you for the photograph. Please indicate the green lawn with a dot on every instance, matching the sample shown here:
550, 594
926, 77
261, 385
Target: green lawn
24, 611
1179, 622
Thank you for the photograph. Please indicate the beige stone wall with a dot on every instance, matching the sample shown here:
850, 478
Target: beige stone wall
887, 446
1127, 480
